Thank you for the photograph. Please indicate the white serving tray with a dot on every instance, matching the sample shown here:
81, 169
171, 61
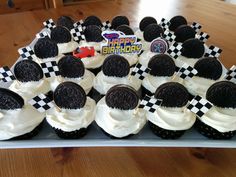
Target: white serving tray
95, 138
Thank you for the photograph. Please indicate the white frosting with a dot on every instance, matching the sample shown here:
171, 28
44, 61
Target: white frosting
19, 122
95, 61
28, 90
96, 45
67, 47
146, 45
139, 34
172, 118
221, 119
56, 58
130, 57
72, 119
54, 81
145, 57
151, 83
181, 60
103, 83
119, 123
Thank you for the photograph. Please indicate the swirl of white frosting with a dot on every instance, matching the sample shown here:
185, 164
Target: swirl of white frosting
119, 123
96, 45
145, 57
139, 34
172, 118
19, 122
221, 119
67, 47
93, 62
72, 119
103, 83
146, 45
131, 58
44, 60
182, 59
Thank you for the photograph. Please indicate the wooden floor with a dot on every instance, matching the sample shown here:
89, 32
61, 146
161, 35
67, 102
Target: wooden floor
17, 30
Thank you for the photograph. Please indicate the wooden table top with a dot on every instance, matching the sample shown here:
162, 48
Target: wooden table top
217, 18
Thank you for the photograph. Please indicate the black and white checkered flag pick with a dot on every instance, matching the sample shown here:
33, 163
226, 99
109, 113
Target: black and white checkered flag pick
6, 75
169, 36
49, 24
26, 53
140, 71
150, 104
175, 50
164, 23
41, 102
186, 72
42, 34
79, 23
106, 25
203, 37
199, 106
50, 69
196, 26
231, 74
213, 51
77, 34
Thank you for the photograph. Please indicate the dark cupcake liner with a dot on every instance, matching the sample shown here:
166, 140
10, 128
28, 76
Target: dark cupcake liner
146, 92
212, 133
96, 95
113, 137
95, 71
77, 134
165, 134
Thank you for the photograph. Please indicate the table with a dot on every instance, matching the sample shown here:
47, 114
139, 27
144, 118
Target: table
17, 30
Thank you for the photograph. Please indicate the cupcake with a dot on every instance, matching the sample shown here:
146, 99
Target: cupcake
177, 21
119, 20
162, 69
66, 21
30, 80
18, 119
117, 113
219, 122
115, 70
171, 119
183, 33
92, 20
73, 113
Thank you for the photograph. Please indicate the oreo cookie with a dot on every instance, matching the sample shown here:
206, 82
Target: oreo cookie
10, 100
222, 94
71, 67
69, 95
122, 97
152, 31
177, 21
45, 48
115, 65
161, 65
172, 94
119, 20
65, 21
92, 20
184, 32
27, 71
60, 34
209, 68
193, 48
125, 29
146, 21
93, 34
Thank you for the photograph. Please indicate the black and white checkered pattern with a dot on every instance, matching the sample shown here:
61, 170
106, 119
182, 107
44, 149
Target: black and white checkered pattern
213, 51
26, 53
140, 71
41, 102
106, 25
231, 74
169, 36
50, 69
186, 71
79, 23
77, 33
196, 26
150, 104
175, 50
199, 106
49, 24
203, 37
42, 34
6, 75
164, 23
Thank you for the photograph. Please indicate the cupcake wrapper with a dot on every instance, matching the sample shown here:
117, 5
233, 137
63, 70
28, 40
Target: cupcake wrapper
212, 133
165, 134
94, 94
146, 92
95, 71
113, 137
77, 134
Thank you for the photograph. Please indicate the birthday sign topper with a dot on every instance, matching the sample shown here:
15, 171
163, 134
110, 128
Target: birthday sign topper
119, 43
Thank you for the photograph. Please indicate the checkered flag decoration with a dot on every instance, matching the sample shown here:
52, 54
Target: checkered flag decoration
26, 53
140, 71
169, 36
6, 75
199, 106
164, 23
77, 33
42, 34
41, 102
203, 37
106, 25
231, 74
186, 72
49, 24
213, 51
150, 104
196, 26
175, 50
50, 69
79, 24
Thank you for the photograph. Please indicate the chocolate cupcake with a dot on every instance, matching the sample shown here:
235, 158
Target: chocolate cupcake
117, 113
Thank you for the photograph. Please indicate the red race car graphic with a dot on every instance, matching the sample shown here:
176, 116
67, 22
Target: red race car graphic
83, 52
